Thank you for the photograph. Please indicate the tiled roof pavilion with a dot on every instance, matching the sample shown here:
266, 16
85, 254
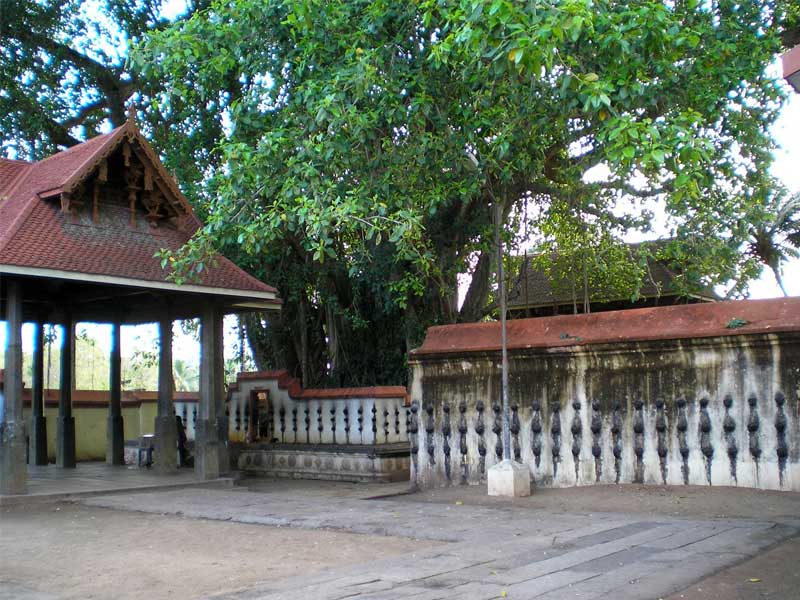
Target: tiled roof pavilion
79, 234
97, 213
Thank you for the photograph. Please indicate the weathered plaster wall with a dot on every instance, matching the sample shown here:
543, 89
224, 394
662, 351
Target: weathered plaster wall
718, 410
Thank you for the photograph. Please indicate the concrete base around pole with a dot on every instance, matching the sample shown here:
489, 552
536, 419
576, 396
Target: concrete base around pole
13, 470
65, 442
509, 478
115, 441
211, 459
37, 441
165, 446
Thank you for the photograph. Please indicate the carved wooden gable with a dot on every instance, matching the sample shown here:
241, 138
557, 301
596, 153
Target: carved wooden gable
127, 174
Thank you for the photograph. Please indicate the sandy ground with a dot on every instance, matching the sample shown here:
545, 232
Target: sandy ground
80, 552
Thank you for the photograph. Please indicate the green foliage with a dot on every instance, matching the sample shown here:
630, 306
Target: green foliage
349, 151
775, 231
736, 323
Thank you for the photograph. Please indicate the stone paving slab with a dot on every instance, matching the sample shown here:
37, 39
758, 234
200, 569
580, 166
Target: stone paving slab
492, 551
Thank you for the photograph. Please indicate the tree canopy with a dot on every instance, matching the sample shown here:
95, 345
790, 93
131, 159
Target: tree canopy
350, 151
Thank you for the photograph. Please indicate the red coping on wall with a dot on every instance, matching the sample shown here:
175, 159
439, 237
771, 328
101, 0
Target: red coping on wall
296, 391
739, 317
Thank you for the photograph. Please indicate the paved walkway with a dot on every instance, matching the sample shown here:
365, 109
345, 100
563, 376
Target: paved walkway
498, 550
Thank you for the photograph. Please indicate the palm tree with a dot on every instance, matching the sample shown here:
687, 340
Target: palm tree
185, 375
776, 238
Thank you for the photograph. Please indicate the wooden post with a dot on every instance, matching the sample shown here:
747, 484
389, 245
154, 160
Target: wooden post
13, 471
38, 424
165, 450
115, 432
65, 422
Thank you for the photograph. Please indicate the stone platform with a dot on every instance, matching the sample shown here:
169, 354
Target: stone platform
332, 462
52, 484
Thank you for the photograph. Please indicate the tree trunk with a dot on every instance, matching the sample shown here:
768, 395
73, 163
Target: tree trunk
478, 292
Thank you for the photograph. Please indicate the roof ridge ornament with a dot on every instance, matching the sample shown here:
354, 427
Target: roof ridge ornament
132, 113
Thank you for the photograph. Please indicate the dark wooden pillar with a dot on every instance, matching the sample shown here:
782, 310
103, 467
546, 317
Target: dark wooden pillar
115, 432
65, 422
165, 450
211, 431
37, 449
13, 470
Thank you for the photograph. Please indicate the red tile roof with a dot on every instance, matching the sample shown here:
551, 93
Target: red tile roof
738, 317
36, 233
9, 171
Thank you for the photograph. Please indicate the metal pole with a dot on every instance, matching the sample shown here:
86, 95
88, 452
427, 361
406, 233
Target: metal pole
501, 285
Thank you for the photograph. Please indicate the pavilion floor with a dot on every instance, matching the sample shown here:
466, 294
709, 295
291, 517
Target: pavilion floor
52, 484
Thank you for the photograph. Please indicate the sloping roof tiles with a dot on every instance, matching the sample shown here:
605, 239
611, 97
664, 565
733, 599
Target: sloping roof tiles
36, 233
534, 288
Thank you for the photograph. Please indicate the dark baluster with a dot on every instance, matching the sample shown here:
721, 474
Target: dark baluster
397, 420
597, 430
282, 418
320, 426
430, 427
515, 427
638, 440
308, 424
661, 433
577, 437
346, 413
247, 417
386, 425
536, 432
616, 439
446, 438
194, 418
294, 423
413, 431
497, 429
462, 442
185, 413
374, 424
729, 429
782, 448
704, 430
683, 426
480, 429
753, 425
555, 435
333, 422
360, 421
238, 418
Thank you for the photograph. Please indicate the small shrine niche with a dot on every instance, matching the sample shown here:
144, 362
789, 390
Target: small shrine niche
127, 181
